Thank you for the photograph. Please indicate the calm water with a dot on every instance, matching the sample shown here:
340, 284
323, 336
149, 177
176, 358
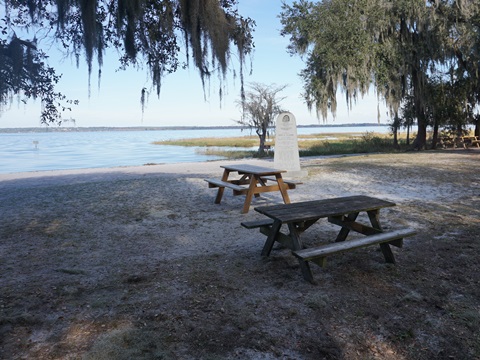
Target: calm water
21, 152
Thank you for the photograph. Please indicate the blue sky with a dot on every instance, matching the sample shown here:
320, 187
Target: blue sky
181, 102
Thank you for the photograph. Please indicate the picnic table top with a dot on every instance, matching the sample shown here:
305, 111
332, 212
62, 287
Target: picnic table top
311, 210
252, 169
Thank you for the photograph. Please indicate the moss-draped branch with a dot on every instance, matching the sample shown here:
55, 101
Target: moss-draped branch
145, 32
149, 31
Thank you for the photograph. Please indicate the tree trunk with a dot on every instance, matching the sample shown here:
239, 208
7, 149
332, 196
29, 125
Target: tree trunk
420, 141
435, 136
261, 147
459, 130
262, 135
395, 126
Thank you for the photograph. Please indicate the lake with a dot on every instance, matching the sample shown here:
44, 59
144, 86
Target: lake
57, 150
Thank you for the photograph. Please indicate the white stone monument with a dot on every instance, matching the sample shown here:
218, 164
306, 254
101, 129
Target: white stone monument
286, 155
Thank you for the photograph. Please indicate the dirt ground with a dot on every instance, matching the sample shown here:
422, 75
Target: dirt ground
139, 263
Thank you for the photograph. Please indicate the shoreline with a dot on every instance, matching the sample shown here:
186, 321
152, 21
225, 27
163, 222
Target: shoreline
106, 173
205, 167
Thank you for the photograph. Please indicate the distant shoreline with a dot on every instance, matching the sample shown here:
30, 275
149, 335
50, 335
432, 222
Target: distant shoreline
160, 128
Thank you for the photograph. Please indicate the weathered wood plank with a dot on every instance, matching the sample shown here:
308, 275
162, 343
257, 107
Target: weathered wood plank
292, 184
256, 223
309, 210
252, 169
213, 183
338, 247
353, 225
284, 239
259, 189
272, 236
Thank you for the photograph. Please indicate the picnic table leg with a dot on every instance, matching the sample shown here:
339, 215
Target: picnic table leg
221, 189
260, 181
283, 188
342, 235
374, 216
297, 245
249, 194
271, 238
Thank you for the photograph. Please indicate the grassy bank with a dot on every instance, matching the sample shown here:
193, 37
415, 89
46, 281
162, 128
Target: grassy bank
309, 145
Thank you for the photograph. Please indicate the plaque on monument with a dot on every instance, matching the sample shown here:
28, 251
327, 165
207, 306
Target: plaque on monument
286, 155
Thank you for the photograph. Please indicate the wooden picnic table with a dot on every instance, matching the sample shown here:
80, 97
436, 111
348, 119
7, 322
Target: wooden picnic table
343, 211
253, 180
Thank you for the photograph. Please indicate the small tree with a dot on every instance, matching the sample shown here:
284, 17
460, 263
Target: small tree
259, 109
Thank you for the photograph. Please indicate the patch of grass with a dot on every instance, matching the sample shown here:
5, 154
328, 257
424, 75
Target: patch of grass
367, 143
309, 145
228, 154
244, 142
305, 141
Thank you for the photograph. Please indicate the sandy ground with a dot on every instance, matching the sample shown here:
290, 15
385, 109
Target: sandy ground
139, 263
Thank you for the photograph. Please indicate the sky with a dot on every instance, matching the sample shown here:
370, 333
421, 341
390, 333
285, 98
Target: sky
116, 102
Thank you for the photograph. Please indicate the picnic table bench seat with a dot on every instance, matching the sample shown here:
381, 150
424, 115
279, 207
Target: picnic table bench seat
292, 184
257, 223
318, 254
213, 183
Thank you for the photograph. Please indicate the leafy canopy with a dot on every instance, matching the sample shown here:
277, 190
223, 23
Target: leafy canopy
398, 47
